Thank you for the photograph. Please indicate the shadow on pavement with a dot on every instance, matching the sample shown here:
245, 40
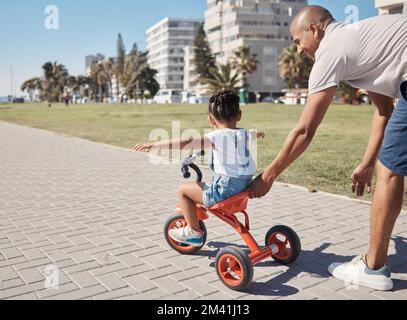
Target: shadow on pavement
315, 262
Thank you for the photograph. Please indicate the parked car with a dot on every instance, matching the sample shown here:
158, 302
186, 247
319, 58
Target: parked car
292, 98
18, 100
194, 98
271, 99
167, 96
198, 98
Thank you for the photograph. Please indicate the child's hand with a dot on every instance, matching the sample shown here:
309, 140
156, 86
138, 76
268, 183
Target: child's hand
260, 134
143, 147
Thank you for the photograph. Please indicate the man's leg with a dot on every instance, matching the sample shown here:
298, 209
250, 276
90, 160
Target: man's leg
387, 204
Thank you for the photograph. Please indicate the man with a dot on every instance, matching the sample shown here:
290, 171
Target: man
370, 54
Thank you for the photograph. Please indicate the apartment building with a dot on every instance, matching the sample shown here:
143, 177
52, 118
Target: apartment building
261, 24
391, 6
166, 41
190, 75
91, 59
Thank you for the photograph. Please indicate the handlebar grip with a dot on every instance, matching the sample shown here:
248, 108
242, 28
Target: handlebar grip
185, 172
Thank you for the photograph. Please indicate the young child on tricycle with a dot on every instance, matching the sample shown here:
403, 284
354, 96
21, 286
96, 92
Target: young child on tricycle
233, 168
231, 162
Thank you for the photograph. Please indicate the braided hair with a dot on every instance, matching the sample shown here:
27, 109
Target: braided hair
224, 105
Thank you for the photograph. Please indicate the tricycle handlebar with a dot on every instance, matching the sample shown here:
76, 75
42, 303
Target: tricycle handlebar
188, 163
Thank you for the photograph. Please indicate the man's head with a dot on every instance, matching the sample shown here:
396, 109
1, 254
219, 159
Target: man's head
308, 28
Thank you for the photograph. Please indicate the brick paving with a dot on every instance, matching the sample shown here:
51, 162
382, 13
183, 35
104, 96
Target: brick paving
97, 212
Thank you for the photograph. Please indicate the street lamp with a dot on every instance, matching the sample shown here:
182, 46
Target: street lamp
11, 82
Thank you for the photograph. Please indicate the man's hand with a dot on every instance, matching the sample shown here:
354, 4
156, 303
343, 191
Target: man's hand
143, 147
362, 177
259, 187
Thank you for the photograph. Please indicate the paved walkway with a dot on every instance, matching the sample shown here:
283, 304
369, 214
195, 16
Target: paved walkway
97, 214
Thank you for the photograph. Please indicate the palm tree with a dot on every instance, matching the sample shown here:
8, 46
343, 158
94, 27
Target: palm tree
244, 63
100, 78
224, 78
56, 76
294, 68
31, 86
138, 76
148, 82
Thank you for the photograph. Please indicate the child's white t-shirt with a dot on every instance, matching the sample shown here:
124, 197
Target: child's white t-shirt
231, 155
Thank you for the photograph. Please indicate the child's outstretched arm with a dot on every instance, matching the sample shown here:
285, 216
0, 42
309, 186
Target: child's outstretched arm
178, 144
257, 134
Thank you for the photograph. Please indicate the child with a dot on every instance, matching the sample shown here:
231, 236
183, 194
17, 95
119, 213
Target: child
230, 161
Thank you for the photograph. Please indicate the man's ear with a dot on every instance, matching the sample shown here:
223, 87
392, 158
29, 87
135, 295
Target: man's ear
315, 30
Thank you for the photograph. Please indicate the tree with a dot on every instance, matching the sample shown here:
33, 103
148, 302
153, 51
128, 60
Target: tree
148, 82
204, 60
110, 68
101, 79
120, 61
294, 68
137, 75
244, 63
347, 92
53, 83
222, 78
31, 86
56, 76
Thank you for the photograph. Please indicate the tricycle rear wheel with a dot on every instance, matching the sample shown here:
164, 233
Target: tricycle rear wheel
288, 242
178, 221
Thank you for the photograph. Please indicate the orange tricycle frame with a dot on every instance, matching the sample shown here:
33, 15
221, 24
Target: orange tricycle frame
227, 211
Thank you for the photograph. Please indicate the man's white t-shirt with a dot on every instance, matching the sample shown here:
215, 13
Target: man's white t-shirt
231, 155
370, 54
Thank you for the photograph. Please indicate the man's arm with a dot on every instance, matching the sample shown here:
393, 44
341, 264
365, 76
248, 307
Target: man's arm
297, 142
362, 176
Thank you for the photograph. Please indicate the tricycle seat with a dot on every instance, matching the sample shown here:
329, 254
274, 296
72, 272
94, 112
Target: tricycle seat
236, 204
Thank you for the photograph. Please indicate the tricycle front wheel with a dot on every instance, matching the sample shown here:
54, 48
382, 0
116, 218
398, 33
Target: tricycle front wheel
234, 268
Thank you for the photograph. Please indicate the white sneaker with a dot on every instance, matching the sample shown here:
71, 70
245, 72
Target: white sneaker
358, 273
187, 236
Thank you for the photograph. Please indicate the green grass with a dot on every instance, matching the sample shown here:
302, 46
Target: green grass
327, 166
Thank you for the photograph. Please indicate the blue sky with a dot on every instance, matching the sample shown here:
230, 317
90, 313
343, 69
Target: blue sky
91, 26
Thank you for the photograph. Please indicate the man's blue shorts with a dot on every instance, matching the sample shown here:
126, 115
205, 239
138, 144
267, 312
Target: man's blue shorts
393, 154
223, 187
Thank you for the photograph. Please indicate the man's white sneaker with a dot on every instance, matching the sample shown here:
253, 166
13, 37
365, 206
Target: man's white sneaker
358, 273
186, 236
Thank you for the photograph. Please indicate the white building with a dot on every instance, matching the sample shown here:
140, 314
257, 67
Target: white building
190, 75
391, 6
91, 59
166, 41
261, 24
